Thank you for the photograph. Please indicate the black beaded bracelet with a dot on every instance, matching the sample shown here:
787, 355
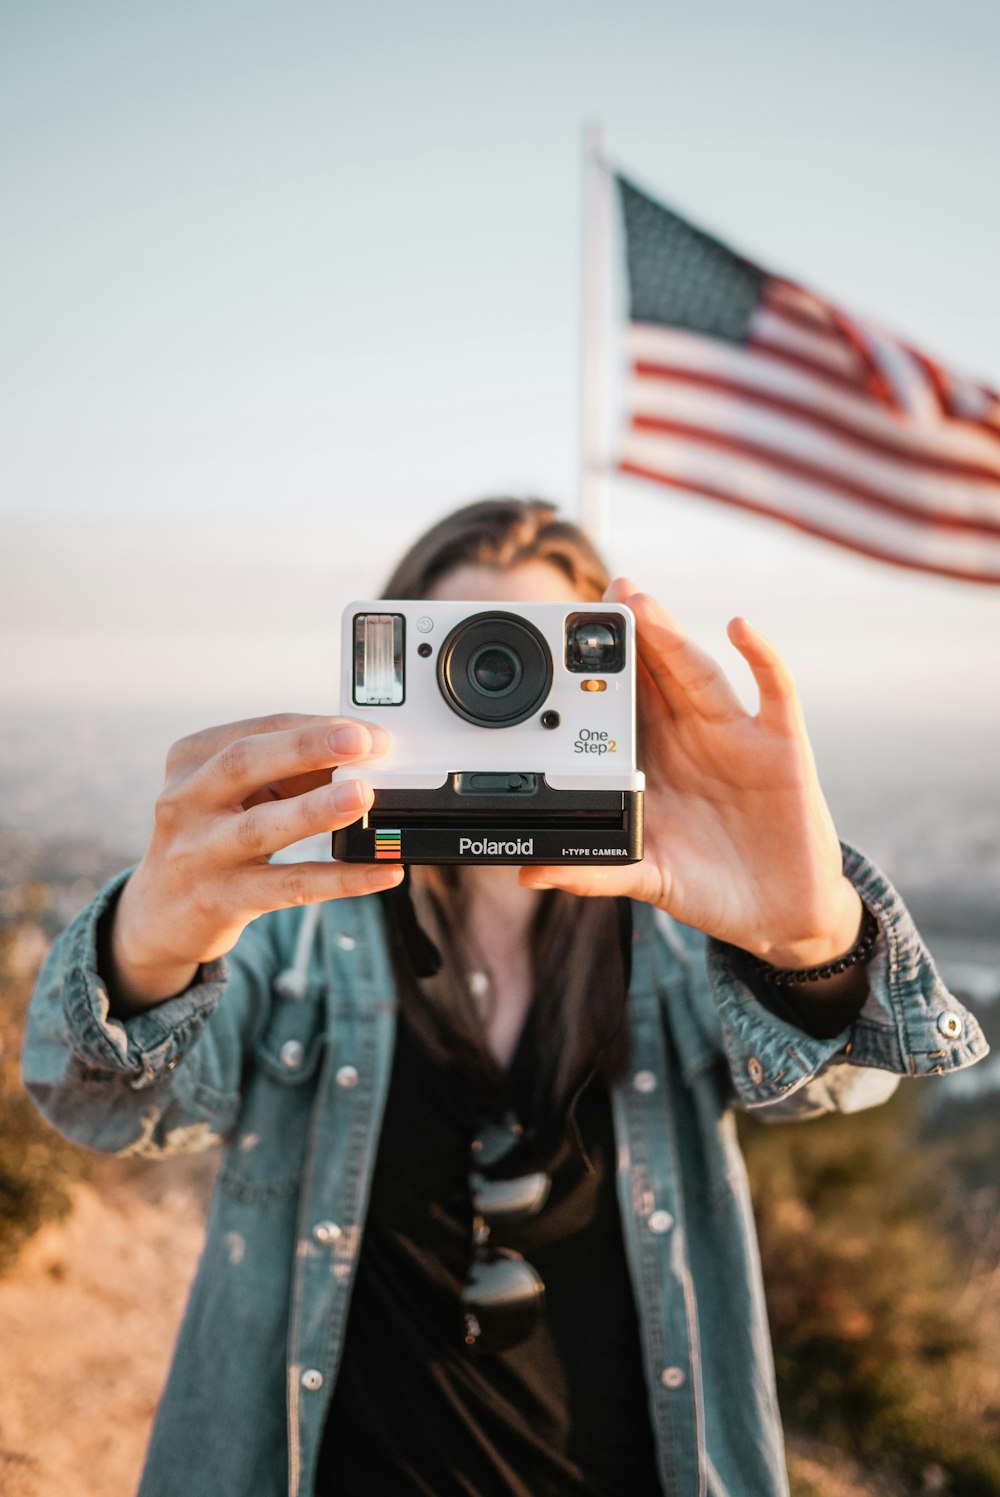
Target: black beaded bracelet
783, 977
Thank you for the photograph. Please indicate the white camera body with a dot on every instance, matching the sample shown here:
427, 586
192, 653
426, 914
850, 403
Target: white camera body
513, 732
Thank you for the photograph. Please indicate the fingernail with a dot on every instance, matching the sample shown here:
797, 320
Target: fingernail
384, 878
350, 795
350, 738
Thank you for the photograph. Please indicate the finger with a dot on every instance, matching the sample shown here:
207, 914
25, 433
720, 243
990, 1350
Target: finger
247, 765
654, 716
279, 886
650, 703
686, 675
619, 590
779, 701
197, 748
582, 880
638, 880
285, 789
265, 829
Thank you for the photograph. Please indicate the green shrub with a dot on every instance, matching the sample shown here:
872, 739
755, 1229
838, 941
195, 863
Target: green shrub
873, 1338
38, 1168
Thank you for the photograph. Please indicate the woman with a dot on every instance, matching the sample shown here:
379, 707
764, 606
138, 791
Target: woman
486, 1231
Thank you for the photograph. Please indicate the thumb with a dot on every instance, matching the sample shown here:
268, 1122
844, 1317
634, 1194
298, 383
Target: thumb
619, 590
587, 881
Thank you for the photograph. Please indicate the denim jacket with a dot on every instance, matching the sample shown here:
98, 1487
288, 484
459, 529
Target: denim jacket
284, 1051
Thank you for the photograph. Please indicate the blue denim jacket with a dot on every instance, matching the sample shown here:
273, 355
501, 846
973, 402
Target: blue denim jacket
284, 1051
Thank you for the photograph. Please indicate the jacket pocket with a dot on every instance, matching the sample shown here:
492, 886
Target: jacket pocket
265, 1159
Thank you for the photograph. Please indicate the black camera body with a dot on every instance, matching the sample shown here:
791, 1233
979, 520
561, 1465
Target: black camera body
513, 732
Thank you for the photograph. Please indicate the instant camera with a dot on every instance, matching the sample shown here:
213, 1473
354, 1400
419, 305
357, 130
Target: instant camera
513, 733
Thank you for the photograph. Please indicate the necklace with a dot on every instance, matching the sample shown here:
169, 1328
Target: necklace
479, 983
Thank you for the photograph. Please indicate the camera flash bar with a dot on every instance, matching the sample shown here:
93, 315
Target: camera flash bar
378, 659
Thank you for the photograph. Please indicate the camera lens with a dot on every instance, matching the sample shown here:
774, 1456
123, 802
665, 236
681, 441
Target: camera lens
595, 642
495, 669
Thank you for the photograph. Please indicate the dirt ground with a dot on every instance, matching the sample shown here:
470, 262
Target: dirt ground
89, 1315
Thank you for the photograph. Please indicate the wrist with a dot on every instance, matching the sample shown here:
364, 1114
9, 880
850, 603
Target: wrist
137, 978
844, 972
839, 937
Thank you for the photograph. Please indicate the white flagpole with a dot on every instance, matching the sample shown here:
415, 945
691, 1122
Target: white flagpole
595, 462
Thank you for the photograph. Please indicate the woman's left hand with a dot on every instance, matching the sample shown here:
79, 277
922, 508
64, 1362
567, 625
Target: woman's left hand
739, 841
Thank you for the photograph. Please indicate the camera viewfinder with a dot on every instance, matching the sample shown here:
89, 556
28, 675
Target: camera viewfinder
595, 643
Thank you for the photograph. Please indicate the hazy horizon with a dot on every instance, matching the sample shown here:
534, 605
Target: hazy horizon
919, 799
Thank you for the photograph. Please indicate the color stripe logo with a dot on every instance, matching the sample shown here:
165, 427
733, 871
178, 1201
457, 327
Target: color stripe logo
388, 843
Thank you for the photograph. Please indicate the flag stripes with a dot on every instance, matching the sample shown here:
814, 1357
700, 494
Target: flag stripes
809, 416
662, 352
821, 348
906, 502
753, 370
793, 409
728, 478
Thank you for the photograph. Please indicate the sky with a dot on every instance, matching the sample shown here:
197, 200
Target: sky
283, 283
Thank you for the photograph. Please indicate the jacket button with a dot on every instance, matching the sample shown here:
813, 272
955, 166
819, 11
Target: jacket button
950, 1025
345, 941
660, 1221
347, 1077
312, 1379
672, 1377
292, 1054
644, 1081
755, 1070
291, 983
326, 1232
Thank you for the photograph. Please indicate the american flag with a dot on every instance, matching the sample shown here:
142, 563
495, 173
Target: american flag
749, 388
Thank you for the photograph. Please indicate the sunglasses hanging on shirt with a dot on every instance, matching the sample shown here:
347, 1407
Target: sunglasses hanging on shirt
504, 1296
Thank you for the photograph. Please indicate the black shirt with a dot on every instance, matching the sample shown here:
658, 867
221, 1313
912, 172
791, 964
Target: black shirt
416, 1410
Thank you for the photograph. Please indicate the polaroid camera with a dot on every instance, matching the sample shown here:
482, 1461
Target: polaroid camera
513, 733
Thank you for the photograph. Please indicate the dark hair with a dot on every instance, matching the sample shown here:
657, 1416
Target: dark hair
505, 533
577, 1007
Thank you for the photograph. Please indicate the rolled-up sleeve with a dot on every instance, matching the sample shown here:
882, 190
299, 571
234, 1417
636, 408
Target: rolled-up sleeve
161, 1081
910, 1024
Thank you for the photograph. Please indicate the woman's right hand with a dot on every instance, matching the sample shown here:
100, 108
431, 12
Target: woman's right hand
234, 795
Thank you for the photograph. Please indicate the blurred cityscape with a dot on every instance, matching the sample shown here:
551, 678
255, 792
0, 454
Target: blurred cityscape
919, 797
